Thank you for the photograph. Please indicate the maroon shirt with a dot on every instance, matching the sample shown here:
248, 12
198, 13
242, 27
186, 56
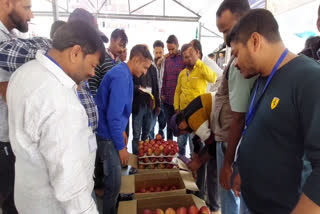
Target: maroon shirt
172, 68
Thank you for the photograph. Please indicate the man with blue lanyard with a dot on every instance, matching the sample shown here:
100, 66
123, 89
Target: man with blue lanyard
50, 136
282, 123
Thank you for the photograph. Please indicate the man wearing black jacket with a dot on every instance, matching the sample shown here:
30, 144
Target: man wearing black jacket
145, 100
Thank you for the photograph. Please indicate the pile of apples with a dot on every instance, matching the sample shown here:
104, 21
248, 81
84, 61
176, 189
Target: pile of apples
157, 153
182, 210
159, 188
158, 147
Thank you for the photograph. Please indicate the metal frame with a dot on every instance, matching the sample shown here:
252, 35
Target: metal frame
131, 13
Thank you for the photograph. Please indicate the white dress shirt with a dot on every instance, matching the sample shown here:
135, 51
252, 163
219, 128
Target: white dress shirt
4, 77
50, 137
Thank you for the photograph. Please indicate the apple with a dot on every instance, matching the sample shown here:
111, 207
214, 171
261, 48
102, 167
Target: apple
145, 149
162, 166
204, 210
158, 189
150, 151
173, 187
157, 152
142, 190
147, 211
152, 166
166, 151
158, 137
169, 159
141, 166
145, 144
147, 140
145, 160
159, 211
193, 210
165, 188
170, 211
161, 148
153, 159
140, 142
182, 210
172, 152
161, 159
169, 166
151, 189
141, 153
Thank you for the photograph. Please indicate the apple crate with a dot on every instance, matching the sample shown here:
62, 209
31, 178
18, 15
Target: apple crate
158, 184
139, 206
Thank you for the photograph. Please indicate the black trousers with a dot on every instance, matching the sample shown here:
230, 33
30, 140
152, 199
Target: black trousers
7, 160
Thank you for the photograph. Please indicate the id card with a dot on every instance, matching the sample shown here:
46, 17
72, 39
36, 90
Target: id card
92, 143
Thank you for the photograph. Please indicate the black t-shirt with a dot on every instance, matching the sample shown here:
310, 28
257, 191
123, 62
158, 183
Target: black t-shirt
285, 126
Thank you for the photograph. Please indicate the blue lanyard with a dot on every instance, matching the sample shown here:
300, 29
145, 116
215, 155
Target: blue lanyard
253, 107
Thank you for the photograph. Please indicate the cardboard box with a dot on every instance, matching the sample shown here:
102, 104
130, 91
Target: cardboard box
181, 179
133, 161
137, 206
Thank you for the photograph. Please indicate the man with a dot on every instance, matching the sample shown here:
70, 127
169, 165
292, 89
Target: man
114, 101
231, 105
55, 26
212, 56
146, 103
192, 82
49, 128
13, 14
221, 60
123, 55
282, 122
173, 66
196, 118
117, 45
158, 51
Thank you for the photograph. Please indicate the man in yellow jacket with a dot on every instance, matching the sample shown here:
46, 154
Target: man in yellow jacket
192, 82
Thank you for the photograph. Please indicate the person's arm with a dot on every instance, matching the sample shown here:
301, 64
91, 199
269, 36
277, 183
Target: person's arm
64, 149
164, 84
155, 88
176, 102
306, 205
208, 74
3, 90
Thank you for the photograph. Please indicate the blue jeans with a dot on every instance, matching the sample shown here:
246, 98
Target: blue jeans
182, 142
169, 112
207, 174
112, 174
141, 122
161, 121
230, 204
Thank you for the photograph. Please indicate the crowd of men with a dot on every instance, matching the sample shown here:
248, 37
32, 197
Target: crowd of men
65, 104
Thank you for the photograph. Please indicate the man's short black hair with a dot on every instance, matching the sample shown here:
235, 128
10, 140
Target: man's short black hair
140, 50
236, 7
158, 43
55, 26
172, 39
79, 33
210, 55
120, 34
185, 47
196, 44
180, 118
257, 20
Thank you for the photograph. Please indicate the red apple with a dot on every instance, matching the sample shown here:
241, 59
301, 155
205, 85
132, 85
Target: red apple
166, 151
182, 210
165, 188
145, 144
151, 189
145, 149
141, 153
193, 210
172, 151
162, 166
152, 166
161, 159
142, 190
147, 211
204, 210
153, 159
158, 189
150, 151
170, 211
145, 160
169, 159
169, 166
173, 187
161, 147
159, 211
157, 152
140, 142
141, 166
158, 137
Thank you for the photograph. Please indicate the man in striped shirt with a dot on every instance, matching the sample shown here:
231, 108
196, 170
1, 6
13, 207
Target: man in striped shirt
117, 45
